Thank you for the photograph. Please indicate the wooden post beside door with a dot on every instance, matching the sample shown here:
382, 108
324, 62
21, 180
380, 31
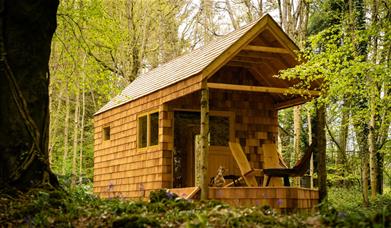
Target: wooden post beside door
204, 142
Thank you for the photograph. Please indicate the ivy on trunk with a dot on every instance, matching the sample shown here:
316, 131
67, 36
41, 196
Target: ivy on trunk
27, 28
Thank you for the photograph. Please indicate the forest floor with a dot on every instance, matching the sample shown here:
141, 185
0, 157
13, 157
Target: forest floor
80, 208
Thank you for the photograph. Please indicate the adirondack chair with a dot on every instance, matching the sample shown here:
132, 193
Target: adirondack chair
248, 173
298, 170
272, 159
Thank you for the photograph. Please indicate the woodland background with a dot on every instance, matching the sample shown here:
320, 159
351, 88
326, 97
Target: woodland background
100, 46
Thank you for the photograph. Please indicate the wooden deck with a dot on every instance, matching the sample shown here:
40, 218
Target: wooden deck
283, 199
280, 198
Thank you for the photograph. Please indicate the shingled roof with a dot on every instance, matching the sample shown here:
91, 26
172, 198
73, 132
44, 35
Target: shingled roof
179, 68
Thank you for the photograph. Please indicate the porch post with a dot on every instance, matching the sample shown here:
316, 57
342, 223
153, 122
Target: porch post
204, 143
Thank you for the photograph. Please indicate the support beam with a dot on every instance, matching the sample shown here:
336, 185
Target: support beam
204, 144
239, 64
267, 49
262, 89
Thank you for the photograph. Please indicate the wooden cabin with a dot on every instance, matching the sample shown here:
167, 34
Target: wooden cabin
145, 136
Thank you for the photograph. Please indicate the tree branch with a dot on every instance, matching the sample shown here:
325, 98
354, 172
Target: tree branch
332, 137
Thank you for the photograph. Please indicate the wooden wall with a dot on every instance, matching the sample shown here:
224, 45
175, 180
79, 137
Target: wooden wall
284, 199
254, 122
123, 170
120, 168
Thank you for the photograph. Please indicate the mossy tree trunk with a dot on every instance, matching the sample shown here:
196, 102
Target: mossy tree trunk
321, 150
27, 28
204, 140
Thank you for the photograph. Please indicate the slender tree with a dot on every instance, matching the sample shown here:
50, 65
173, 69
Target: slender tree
297, 136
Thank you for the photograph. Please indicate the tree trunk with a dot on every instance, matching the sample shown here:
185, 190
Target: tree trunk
83, 113
204, 139
289, 23
280, 13
297, 136
381, 140
66, 131
54, 123
231, 14
285, 15
75, 137
343, 135
134, 47
310, 142
321, 151
206, 6
248, 5
380, 130
362, 141
260, 8
26, 29
303, 22
372, 147
358, 13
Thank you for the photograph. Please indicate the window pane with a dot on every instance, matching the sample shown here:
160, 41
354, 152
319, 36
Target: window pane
219, 130
106, 133
142, 131
154, 128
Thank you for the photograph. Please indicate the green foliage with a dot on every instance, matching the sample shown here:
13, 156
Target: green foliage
135, 221
349, 56
333, 57
345, 209
78, 207
98, 48
337, 177
162, 195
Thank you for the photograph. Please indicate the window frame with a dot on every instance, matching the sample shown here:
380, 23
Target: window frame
231, 120
148, 115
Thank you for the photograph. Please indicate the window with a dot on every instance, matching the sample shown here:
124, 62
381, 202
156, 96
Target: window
219, 130
154, 126
148, 130
219, 126
106, 133
142, 132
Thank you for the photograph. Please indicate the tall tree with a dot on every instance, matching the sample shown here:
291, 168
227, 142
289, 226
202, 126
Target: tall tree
340, 53
320, 142
66, 130
26, 33
297, 136
343, 136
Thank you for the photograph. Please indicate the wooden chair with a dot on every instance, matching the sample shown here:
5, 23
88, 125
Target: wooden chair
298, 170
271, 160
248, 173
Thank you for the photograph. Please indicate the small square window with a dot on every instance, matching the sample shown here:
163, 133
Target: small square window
106, 133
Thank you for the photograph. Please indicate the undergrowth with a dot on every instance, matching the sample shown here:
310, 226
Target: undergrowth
80, 208
345, 208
